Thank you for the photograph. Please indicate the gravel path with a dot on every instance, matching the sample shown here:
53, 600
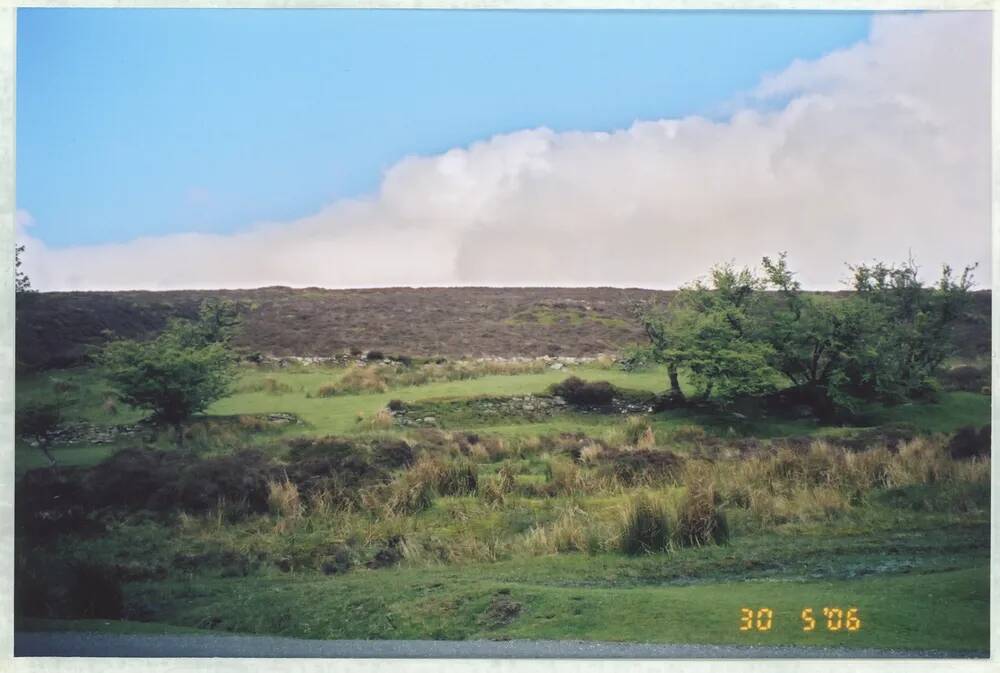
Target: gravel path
70, 644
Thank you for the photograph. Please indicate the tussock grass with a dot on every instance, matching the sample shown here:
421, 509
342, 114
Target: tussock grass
700, 519
645, 526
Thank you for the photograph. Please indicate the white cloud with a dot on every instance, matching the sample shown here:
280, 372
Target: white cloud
875, 151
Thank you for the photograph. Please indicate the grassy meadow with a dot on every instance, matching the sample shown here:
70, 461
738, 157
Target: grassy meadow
458, 500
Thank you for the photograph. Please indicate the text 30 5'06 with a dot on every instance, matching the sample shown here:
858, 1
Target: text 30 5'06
829, 618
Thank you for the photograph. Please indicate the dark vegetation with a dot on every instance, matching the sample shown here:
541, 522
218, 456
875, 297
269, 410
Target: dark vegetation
55, 329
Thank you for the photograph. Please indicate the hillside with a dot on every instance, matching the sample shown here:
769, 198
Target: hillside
54, 329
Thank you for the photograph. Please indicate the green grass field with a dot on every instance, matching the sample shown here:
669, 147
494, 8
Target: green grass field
911, 556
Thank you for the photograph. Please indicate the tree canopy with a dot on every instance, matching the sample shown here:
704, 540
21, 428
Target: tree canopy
180, 372
743, 331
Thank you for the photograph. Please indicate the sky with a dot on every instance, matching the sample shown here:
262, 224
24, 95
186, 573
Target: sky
165, 149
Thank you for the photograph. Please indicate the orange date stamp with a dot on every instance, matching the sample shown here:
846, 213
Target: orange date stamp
831, 618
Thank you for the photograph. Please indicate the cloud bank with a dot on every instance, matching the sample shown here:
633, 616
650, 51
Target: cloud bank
875, 151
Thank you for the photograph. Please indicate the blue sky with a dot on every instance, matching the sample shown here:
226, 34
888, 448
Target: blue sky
146, 122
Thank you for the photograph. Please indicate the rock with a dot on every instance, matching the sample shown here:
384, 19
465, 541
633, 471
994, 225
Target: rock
557, 366
430, 420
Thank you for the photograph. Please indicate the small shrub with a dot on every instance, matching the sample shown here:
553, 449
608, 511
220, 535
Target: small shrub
338, 562
396, 405
965, 377
109, 406
969, 442
578, 392
393, 453
374, 355
327, 390
641, 466
645, 527
79, 590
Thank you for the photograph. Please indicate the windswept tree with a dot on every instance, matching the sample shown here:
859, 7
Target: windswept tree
883, 342
740, 332
175, 375
708, 333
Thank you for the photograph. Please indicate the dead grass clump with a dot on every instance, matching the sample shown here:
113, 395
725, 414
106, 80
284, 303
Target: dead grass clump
700, 520
591, 453
572, 531
409, 494
109, 406
819, 502
922, 460
868, 469
563, 477
380, 420
645, 526
445, 477
283, 499
327, 390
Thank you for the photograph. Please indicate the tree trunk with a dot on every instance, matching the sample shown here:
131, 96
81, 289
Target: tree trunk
675, 383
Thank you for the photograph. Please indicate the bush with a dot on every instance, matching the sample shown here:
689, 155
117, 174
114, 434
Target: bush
642, 466
339, 561
374, 355
239, 481
969, 442
396, 405
77, 590
49, 502
645, 527
578, 392
137, 478
966, 378
334, 465
393, 453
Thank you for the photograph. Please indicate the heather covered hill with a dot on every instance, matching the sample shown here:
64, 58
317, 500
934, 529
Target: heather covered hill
54, 329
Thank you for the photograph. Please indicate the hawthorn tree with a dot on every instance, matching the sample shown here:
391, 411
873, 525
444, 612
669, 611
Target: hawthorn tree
740, 332
175, 375
708, 332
